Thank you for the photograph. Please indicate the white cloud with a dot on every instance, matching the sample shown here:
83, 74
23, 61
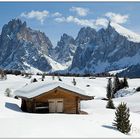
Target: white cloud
117, 18
101, 22
60, 19
56, 14
38, 15
80, 11
78, 21
94, 23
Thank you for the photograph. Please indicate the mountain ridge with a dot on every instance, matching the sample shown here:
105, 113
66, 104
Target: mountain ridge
92, 51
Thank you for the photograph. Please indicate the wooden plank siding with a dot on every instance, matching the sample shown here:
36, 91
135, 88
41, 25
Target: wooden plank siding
69, 100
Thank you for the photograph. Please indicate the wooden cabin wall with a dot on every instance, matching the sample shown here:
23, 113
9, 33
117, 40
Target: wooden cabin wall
70, 102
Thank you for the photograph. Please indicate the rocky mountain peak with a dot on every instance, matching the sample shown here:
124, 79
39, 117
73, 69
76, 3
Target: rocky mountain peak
86, 34
65, 39
13, 25
65, 50
108, 49
23, 48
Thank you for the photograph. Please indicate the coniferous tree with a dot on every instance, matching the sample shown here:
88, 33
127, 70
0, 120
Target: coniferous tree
43, 77
122, 122
116, 85
53, 77
121, 84
109, 89
110, 104
125, 83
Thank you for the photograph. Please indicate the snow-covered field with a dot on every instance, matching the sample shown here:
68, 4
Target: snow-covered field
97, 124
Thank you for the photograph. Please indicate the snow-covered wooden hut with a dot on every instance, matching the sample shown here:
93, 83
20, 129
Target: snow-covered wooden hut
51, 97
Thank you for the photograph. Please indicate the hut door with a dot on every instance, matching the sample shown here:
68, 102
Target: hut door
52, 106
59, 106
55, 105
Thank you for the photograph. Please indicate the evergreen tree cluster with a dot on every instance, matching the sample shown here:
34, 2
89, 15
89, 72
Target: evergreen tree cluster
117, 84
122, 122
112, 88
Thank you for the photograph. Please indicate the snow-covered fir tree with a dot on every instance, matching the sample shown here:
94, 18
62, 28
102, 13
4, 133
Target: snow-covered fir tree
122, 122
110, 104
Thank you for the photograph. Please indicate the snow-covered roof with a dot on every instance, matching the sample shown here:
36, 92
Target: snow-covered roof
37, 88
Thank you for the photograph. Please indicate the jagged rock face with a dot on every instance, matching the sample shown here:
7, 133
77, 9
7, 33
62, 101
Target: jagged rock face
105, 50
65, 50
85, 42
22, 47
85, 35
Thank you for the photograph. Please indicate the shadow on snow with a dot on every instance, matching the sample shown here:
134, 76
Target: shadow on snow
13, 107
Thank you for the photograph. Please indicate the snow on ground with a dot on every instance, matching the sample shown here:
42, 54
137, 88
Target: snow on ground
117, 71
97, 124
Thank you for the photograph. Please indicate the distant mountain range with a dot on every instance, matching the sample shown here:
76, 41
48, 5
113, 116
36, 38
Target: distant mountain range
108, 49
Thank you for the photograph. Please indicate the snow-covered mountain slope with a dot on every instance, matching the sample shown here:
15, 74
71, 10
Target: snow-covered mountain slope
97, 124
112, 48
65, 50
54, 64
131, 36
22, 48
131, 72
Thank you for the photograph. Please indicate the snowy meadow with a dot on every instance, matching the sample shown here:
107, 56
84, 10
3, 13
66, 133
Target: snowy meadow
96, 124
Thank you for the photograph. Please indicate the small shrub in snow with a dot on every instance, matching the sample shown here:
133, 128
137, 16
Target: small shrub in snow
22, 74
122, 122
33, 80
74, 81
7, 92
59, 78
138, 89
110, 104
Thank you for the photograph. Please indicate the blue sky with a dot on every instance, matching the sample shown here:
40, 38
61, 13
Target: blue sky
56, 18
